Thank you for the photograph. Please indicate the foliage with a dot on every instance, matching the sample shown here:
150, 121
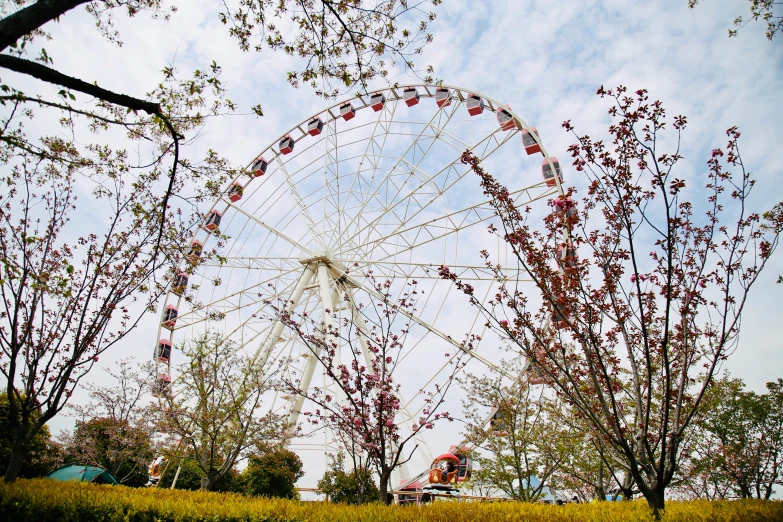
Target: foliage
760, 10
353, 487
43, 455
737, 445
522, 443
114, 430
122, 449
71, 292
273, 473
365, 411
637, 317
341, 43
34, 500
213, 407
587, 467
190, 476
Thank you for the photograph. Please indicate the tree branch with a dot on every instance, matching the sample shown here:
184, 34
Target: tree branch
49, 75
27, 20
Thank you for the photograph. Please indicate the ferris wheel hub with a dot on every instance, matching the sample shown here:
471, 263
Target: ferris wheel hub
317, 259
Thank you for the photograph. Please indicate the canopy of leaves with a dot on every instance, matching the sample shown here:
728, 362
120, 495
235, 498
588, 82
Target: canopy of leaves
737, 446
121, 448
214, 407
272, 474
343, 487
521, 443
190, 476
43, 454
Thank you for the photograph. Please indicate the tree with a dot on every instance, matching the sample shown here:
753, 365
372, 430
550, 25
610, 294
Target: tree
72, 291
273, 473
760, 10
67, 298
213, 407
587, 468
43, 454
354, 487
631, 332
738, 443
114, 429
124, 450
190, 477
365, 412
522, 441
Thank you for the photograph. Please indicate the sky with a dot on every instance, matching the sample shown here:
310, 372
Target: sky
545, 59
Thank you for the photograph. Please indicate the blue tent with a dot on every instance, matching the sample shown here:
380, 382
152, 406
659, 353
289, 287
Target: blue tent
92, 474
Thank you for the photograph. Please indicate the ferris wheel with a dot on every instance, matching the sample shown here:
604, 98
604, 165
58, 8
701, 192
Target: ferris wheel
373, 184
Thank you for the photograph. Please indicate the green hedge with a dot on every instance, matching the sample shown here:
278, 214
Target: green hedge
48, 500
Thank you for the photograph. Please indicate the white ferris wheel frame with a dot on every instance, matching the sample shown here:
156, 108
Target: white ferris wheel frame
317, 270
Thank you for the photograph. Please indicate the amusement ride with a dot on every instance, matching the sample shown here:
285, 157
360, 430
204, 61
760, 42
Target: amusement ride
373, 184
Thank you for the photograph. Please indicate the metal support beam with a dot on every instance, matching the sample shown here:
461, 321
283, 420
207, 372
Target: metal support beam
269, 343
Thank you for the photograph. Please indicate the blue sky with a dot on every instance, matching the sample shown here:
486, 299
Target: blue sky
546, 59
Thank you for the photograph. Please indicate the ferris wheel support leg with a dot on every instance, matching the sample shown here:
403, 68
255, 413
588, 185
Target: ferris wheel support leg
269, 343
327, 309
312, 360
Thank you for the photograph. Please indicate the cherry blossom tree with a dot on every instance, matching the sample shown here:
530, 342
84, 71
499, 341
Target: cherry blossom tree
70, 294
642, 288
365, 412
115, 430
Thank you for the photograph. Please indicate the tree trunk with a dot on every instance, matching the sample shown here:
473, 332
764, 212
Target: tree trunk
15, 462
655, 501
205, 484
17, 458
384, 488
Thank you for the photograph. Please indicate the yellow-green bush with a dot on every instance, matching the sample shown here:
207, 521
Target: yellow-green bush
47, 500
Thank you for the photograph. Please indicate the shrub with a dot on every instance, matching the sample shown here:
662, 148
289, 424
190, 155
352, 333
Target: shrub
272, 474
45, 500
190, 477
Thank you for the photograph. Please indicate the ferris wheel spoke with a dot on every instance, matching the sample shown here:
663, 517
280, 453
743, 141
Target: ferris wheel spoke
411, 149
271, 229
430, 270
448, 181
248, 297
298, 199
421, 322
373, 152
443, 226
280, 264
